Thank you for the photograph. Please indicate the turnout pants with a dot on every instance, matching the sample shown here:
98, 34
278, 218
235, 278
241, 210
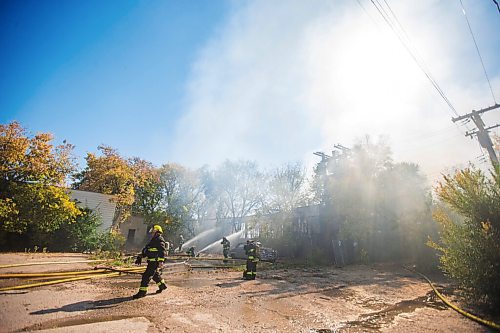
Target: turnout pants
151, 272
251, 269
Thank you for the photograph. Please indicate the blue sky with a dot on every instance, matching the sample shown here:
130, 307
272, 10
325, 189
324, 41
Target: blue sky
97, 72
197, 82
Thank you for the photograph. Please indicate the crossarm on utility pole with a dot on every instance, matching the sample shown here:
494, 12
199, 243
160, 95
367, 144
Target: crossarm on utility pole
469, 115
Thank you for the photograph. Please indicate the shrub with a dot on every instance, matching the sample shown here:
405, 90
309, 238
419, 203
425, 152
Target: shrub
470, 232
111, 241
81, 236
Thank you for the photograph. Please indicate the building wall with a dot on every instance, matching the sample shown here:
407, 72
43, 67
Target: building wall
135, 232
98, 203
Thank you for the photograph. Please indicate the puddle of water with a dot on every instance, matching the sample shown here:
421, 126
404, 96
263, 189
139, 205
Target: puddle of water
339, 292
183, 283
229, 284
191, 283
432, 301
128, 284
378, 320
74, 322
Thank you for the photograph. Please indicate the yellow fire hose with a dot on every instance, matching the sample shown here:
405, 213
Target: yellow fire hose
35, 275
202, 258
25, 286
52, 263
212, 266
60, 274
49, 278
86, 276
454, 307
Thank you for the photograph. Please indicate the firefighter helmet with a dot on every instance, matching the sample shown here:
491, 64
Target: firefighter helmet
156, 228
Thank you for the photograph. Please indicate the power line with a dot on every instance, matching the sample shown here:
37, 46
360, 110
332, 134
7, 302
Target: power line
392, 21
498, 6
477, 49
366, 12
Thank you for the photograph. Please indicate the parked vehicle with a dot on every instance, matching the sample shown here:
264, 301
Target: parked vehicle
266, 253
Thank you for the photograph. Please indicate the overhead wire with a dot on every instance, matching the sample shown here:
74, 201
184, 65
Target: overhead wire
498, 6
366, 12
425, 136
393, 23
477, 49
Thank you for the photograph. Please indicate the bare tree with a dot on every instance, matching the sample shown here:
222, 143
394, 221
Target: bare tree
286, 189
239, 190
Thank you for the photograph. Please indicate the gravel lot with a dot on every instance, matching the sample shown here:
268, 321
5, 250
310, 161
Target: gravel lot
380, 298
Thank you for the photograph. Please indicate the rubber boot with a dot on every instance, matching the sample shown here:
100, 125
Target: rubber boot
140, 293
161, 288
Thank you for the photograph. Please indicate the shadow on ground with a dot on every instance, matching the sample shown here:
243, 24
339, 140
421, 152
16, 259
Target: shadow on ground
85, 305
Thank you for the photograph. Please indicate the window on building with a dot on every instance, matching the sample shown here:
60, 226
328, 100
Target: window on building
131, 236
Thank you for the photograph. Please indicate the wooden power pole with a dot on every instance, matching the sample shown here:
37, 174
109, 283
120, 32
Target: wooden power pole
482, 132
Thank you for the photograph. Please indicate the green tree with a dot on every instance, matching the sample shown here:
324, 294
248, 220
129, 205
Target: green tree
470, 231
81, 236
111, 174
149, 198
355, 192
183, 195
171, 196
32, 176
382, 206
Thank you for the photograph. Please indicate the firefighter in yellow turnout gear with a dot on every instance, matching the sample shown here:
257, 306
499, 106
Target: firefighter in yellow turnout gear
155, 252
226, 245
253, 255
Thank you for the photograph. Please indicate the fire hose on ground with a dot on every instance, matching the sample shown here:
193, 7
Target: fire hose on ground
98, 272
52, 263
454, 307
55, 274
33, 285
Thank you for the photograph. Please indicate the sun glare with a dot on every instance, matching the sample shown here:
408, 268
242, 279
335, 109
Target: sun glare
364, 76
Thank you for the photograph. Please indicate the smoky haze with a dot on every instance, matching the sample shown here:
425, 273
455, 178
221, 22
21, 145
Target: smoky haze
280, 81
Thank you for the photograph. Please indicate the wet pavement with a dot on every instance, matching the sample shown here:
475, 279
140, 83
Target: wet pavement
382, 298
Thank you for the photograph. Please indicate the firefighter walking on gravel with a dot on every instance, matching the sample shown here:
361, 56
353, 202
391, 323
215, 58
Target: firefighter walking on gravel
155, 252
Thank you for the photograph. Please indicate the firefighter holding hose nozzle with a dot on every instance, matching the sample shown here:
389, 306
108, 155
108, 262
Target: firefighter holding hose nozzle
155, 252
226, 245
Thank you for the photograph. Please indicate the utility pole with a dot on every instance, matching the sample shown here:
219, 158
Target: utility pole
323, 171
482, 132
342, 148
327, 166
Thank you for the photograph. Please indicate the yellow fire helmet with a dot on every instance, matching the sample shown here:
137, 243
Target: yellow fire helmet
156, 228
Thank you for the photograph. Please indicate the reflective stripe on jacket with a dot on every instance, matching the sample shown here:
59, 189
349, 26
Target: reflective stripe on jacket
156, 249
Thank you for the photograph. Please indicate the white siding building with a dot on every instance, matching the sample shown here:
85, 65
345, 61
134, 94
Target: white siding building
99, 203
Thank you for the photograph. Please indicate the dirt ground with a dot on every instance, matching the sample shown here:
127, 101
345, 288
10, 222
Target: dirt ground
380, 298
